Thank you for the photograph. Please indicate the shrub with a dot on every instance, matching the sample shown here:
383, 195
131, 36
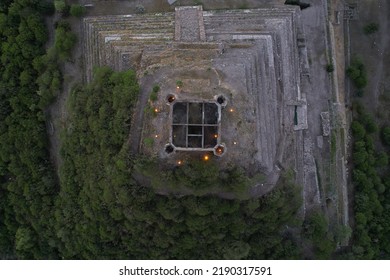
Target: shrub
359, 92
357, 72
139, 9
179, 83
358, 130
371, 28
329, 68
60, 6
77, 10
156, 88
301, 5
386, 135
153, 96
148, 142
47, 8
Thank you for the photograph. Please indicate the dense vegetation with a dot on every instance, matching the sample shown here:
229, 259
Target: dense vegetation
297, 3
358, 74
371, 28
98, 209
28, 185
196, 176
371, 176
103, 212
103, 205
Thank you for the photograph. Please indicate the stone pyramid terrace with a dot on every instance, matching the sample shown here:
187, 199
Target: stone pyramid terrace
253, 58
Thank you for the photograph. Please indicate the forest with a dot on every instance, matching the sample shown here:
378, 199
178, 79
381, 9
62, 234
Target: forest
103, 212
95, 209
371, 178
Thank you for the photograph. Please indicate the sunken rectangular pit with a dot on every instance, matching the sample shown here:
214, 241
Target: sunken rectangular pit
195, 125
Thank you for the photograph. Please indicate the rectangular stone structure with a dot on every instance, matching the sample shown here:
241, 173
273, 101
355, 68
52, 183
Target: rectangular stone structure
195, 125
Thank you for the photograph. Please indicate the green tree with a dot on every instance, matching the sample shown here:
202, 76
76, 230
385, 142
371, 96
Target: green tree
371, 28
386, 135
60, 5
77, 10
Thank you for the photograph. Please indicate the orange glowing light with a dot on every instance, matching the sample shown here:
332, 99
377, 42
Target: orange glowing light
231, 110
156, 135
206, 157
178, 87
179, 162
215, 135
156, 110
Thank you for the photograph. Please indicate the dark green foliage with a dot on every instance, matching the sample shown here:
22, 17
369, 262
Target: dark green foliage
371, 236
197, 175
371, 28
103, 210
179, 83
46, 7
358, 130
297, 3
27, 181
382, 160
156, 88
386, 135
64, 41
317, 232
359, 92
60, 6
140, 9
48, 65
77, 10
153, 94
329, 68
148, 142
357, 72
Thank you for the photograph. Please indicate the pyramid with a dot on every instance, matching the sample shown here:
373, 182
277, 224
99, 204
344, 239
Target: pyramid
253, 57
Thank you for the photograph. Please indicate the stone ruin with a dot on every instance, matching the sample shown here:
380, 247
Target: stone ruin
254, 58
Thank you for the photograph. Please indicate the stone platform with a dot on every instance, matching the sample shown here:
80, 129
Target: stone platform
254, 57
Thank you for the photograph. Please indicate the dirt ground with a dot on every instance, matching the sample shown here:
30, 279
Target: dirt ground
373, 49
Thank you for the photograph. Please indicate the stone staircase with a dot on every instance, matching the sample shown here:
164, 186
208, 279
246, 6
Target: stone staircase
266, 46
107, 39
189, 25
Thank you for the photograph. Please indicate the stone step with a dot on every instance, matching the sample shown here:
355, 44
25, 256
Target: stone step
189, 26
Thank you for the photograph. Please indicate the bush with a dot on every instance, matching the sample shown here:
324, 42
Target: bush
358, 130
47, 8
77, 10
371, 28
139, 9
60, 6
156, 88
386, 135
148, 142
329, 68
302, 6
359, 92
153, 96
179, 83
357, 72
64, 42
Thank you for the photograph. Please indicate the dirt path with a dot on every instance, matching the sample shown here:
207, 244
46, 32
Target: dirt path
138, 117
135, 135
373, 49
72, 73
318, 94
